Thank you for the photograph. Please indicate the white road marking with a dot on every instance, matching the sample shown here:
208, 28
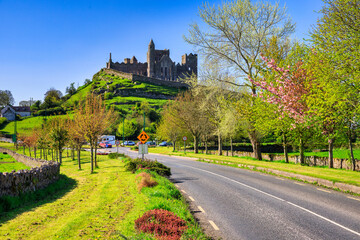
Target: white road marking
280, 178
299, 183
192, 199
201, 209
357, 199
176, 185
214, 225
280, 199
183, 191
323, 190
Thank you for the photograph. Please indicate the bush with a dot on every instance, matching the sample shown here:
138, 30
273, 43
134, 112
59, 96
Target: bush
3, 121
136, 164
162, 223
115, 155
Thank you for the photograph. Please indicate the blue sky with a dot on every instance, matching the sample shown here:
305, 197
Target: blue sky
46, 44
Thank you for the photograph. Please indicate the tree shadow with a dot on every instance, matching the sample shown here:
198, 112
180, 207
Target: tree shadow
183, 179
11, 207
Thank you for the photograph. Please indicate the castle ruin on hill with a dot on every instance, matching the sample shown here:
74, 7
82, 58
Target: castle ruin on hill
159, 65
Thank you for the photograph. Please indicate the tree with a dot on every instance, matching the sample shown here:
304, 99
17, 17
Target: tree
76, 135
169, 129
237, 33
6, 98
336, 39
129, 127
52, 98
58, 134
71, 89
288, 90
95, 119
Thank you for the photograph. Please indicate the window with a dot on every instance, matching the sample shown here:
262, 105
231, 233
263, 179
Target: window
165, 71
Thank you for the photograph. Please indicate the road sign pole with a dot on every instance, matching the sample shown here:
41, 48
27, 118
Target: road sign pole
184, 147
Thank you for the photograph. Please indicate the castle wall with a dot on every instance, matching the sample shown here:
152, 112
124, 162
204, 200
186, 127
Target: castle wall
138, 78
136, 68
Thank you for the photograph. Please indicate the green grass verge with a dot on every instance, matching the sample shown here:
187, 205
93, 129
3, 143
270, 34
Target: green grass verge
8, 164
334, 175
338, 153
103, 205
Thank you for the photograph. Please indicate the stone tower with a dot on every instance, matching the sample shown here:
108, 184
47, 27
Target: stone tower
151, 59
108, 64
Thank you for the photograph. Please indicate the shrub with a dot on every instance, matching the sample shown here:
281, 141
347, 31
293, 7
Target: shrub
136, 164
146, 181
3, 121
115, 155
162, 223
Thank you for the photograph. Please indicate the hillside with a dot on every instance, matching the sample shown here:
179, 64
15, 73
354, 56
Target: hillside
120, 90
122, 93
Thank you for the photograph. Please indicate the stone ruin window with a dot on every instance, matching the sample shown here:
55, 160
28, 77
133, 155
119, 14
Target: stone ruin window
165, 71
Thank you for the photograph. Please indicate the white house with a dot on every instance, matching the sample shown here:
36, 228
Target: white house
10, 112
108, 138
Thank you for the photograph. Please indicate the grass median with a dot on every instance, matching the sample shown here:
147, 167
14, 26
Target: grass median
102, 205
334, 175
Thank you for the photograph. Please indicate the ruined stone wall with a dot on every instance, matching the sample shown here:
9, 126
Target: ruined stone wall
137, 78
41, 175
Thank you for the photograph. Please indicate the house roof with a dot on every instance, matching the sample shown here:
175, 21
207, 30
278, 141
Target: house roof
21, 109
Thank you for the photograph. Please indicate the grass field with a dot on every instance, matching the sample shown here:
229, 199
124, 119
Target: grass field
103, 205
335, 175
8, 164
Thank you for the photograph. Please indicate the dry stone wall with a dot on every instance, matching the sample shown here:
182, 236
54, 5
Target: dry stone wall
41, 175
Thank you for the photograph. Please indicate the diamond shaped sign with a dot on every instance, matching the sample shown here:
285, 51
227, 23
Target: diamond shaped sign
143, 137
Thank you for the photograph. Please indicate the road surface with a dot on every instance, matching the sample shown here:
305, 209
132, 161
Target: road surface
242, 204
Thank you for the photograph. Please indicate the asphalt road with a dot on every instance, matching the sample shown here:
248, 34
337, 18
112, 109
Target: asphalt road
244, 204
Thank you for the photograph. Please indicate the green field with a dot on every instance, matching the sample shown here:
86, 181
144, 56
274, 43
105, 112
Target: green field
8, 164
103, 205
335, 175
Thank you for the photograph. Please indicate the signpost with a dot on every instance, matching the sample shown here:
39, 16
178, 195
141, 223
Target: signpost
184, 139
117, 146
143, 148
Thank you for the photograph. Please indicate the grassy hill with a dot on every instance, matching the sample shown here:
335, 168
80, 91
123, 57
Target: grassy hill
123, 94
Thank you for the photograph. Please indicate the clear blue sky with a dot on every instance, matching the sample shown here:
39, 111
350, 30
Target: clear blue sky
52, 43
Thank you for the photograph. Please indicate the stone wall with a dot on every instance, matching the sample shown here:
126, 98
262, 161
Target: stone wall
41, 175
309, 160
138, 78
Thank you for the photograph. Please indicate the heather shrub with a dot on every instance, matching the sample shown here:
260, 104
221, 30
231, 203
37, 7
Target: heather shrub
162, 223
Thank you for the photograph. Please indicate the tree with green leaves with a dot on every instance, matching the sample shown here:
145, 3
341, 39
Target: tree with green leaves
236, 35
6, 98
58, 134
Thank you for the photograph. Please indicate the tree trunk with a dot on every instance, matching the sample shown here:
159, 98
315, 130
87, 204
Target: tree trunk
231, 147
24, 149
206, 147
95, 157
35, 152
331, 158
60, 156
92, 159
255, 145
220, 152
174, 146
78, 157
52, 154
67, 152
196, 147
353, 167
30, 151
301, 150
285, 148
41, 154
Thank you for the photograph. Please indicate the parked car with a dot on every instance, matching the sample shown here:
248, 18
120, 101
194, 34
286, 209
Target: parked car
151, 143
105, 145
164, 144
129, 143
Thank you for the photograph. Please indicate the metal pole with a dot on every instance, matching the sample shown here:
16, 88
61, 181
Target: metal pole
184, 148
144, 120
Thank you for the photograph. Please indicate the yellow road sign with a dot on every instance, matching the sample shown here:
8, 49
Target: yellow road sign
143, 137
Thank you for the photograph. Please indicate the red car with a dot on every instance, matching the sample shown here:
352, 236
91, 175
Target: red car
105, 145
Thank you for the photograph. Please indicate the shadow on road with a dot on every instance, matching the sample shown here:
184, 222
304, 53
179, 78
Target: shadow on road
183, 179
